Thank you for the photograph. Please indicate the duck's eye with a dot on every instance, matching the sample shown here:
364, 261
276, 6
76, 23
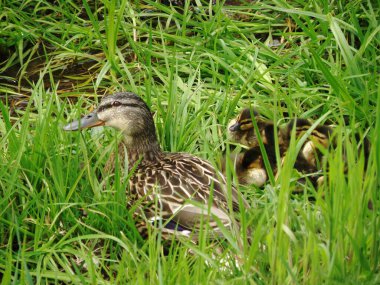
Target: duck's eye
116, 104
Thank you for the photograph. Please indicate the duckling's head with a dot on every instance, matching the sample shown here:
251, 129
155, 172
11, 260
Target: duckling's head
243, 122
124, 111
241, 129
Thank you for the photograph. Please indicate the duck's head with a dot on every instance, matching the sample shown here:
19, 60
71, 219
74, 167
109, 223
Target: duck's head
124, 111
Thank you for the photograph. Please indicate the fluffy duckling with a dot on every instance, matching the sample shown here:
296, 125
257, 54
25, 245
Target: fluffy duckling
310, 153
249, 163
175, 188
241, 130
249, 166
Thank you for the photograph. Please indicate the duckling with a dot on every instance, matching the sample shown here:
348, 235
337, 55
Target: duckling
241, 130
250, 168
250, 163
174, 188
310, 155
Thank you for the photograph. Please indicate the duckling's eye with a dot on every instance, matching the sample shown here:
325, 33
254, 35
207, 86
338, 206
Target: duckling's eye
116, 104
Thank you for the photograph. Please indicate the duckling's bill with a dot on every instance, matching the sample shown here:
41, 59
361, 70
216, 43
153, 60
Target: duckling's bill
89, 121
234, 127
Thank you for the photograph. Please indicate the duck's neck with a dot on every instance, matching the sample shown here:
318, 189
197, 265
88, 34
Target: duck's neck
142, 147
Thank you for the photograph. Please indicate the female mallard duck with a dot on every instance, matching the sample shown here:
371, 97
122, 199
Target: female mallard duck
249, 164
176, 188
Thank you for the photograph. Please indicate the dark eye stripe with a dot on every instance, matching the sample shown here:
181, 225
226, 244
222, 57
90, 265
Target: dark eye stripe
246, 122
109, 105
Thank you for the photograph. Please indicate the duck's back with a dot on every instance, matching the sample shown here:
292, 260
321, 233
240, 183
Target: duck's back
186, 188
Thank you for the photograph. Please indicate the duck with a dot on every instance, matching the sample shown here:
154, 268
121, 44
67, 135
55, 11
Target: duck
249, 165
182, 191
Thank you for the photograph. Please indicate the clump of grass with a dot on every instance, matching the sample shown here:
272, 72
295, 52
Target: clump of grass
194, 67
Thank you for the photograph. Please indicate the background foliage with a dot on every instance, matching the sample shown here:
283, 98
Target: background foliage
196, 65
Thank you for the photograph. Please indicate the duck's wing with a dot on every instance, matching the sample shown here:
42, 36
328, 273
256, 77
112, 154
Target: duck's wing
187, 190
203, 173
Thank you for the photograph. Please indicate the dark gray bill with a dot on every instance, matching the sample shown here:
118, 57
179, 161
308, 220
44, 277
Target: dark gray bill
235, 127
88, 121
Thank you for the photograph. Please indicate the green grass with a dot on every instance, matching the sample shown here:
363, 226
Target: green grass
196, 69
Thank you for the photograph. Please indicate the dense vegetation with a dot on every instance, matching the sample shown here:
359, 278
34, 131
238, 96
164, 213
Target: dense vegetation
196, 66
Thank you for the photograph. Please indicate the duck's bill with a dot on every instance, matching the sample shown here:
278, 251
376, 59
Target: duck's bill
89, 121
235, 127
